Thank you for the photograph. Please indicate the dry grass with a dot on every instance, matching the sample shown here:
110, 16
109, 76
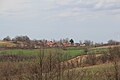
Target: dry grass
50, 68
7, 43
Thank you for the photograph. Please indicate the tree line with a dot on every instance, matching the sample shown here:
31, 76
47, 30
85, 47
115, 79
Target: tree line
26, 42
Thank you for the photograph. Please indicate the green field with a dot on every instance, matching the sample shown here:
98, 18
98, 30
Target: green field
65, 54
37, 51
99, 51
71, 51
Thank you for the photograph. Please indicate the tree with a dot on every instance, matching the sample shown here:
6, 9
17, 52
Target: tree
113, 42
7, 38
72, 41
65, 40
88, 42
80, 42
22, 38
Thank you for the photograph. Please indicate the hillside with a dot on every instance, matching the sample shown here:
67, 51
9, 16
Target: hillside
7, 44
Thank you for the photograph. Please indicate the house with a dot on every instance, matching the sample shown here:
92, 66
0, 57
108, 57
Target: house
66, 44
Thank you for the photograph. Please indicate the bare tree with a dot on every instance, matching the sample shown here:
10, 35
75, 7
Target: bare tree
7, 38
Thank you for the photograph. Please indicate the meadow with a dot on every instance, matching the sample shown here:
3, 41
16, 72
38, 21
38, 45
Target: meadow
66, 53
27, 53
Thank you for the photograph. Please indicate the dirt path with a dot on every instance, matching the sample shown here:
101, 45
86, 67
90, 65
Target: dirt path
77, 61
106, 47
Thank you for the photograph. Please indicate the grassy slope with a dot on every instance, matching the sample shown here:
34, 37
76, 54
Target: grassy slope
6, 43
97, 72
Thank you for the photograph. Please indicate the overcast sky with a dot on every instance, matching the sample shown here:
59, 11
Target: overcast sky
97, 20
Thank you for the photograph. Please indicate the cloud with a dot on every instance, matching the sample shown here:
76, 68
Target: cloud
59, 8
68, 14
8, 4
75, 8
89, 5
12, 6
107, 6
63, 2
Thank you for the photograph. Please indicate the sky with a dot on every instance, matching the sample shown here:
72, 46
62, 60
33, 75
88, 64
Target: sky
96, 20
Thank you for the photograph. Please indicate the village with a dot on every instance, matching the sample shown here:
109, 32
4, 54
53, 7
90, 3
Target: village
24, 42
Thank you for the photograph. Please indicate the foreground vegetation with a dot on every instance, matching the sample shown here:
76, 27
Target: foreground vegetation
60, 64
32, 71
